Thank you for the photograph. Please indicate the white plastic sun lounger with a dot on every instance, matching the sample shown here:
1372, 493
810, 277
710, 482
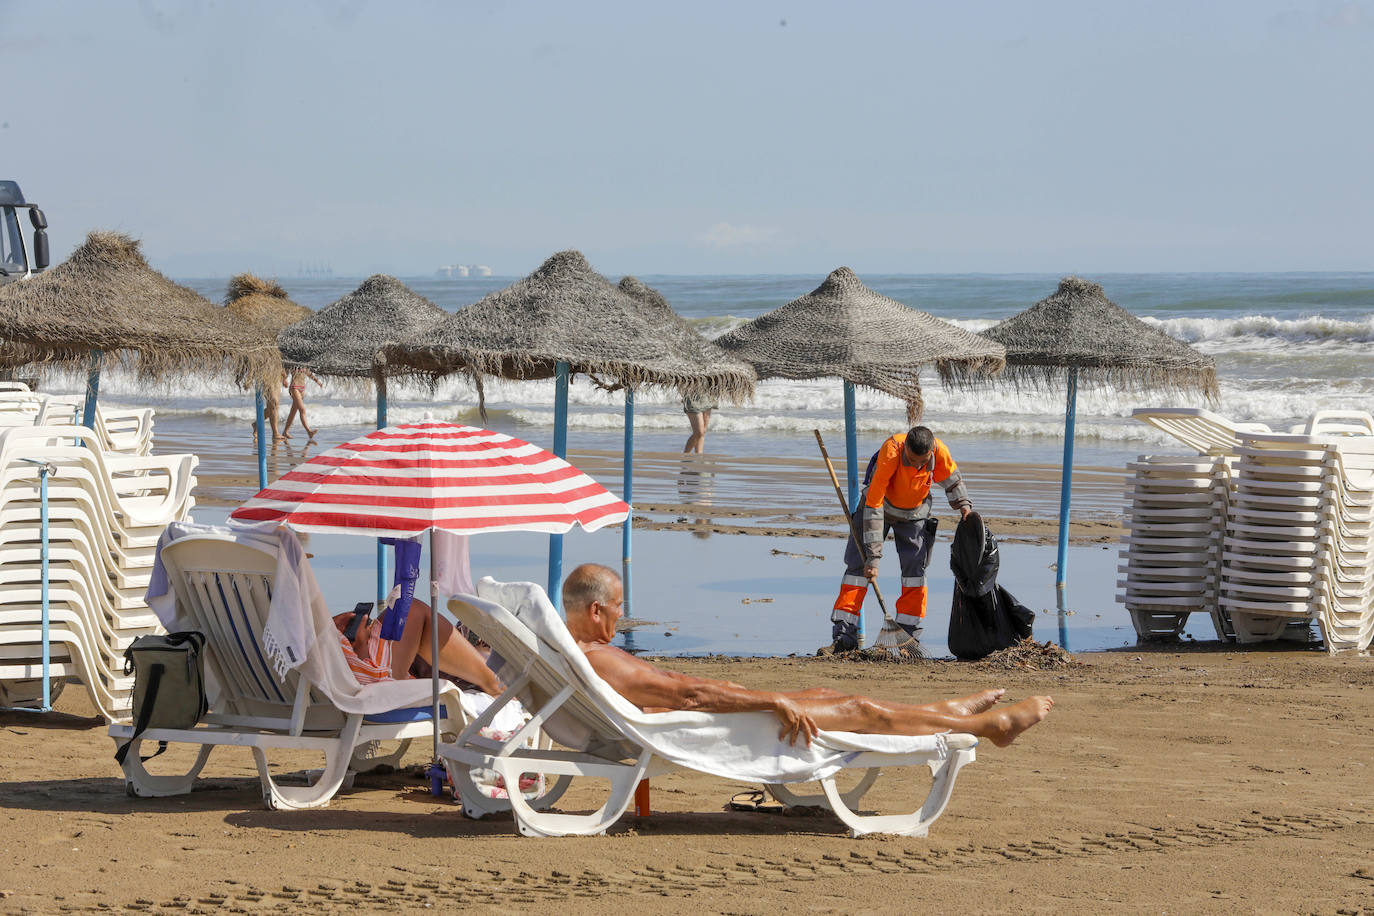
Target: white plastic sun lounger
612, 739
223, 588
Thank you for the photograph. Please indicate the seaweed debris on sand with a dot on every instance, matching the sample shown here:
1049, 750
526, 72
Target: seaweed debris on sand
1030, 655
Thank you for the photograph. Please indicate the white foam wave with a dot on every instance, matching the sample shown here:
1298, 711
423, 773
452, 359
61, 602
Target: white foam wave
1265, 333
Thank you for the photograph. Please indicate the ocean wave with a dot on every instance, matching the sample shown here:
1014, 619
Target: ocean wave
1263, 332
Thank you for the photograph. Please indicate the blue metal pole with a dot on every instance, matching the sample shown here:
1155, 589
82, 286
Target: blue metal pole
1063, 619
851, 446
1066, 482
381, 548
560, 448
629, 467
851, 461
260, 409
92, 391
44, 554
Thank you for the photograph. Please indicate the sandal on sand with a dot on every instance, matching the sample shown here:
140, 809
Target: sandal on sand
756, 800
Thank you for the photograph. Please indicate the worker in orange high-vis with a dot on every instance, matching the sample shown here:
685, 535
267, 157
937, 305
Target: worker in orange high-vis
896, 497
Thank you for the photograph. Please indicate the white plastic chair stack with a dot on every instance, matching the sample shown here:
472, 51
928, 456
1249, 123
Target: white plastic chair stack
1171, 555
1300, 541
105, 514
127, 431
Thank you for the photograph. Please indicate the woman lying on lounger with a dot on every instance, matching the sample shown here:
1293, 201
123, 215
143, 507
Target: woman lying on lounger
375, 659
592, 596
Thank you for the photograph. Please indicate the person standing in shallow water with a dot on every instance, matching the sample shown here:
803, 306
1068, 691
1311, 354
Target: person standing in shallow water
271, 407
698, 410
297, 390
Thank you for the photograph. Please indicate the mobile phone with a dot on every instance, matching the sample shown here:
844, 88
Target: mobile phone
360, 612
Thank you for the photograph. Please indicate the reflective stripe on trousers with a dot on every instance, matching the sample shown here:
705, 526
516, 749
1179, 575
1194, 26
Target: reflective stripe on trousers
913, 552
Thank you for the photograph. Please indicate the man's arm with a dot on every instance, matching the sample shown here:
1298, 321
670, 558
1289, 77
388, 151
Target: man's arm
946, 474
647, 686
871, 511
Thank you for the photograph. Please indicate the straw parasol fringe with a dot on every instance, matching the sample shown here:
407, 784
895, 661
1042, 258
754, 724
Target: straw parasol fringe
106, 298
345, 339
1077, 326
843, 329
566, 312
262, 302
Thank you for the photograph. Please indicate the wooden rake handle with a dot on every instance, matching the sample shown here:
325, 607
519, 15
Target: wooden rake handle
853, 525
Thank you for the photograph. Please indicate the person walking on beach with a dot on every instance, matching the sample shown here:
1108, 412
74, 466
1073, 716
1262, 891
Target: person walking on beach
698, 410
271, 407
592, 596
896, 497
297, 390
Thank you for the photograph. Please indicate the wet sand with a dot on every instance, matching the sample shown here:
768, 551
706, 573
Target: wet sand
1163, 781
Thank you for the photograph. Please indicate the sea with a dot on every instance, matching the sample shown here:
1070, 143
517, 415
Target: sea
1285, 345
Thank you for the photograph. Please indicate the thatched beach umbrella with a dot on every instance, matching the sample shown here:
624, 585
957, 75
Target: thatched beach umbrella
844, 329
106, 305
345, 339
1078, 329
262, 302
564, 319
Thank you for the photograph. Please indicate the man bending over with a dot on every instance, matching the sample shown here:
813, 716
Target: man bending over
591, 600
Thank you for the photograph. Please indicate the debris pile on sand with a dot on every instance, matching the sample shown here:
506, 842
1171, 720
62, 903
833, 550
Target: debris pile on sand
1029, 655
909, 654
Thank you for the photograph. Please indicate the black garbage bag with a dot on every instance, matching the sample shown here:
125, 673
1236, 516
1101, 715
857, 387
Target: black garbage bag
984, 617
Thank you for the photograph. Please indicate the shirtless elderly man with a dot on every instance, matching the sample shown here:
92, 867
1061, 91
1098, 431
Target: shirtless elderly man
592, 595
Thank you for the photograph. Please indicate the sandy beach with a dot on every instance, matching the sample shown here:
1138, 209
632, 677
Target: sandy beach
1163, 781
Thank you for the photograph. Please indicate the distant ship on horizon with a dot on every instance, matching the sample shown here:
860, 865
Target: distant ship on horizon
452, 271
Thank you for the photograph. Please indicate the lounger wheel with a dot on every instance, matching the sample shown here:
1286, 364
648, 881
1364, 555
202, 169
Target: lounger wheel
139, 783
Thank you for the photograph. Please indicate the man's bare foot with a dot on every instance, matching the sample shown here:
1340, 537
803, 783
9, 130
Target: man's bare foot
283, 436
311, 433
973, 703
1004, 724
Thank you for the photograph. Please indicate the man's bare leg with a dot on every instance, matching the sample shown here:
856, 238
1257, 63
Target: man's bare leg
964, 706
1000, 725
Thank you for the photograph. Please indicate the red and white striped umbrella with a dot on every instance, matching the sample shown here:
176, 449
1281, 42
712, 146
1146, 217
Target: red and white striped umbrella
403, 480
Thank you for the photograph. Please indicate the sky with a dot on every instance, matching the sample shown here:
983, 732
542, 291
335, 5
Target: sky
699, 138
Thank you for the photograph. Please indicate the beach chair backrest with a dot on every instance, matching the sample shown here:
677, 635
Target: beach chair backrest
1202, 430
225, 587
578, 723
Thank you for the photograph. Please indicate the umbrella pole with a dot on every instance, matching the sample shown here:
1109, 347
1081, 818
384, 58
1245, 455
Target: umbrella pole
851, 460
1067, 480
381, 548
92, 391
560, 448
437, 765
851, 446
260, 411
629, 467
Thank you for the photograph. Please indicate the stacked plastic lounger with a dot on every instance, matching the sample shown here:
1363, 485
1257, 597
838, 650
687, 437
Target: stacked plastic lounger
105, 515
1171, 555
127, 431
1300, 542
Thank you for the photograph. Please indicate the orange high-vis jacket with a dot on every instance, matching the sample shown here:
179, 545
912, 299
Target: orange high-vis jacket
903, 492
